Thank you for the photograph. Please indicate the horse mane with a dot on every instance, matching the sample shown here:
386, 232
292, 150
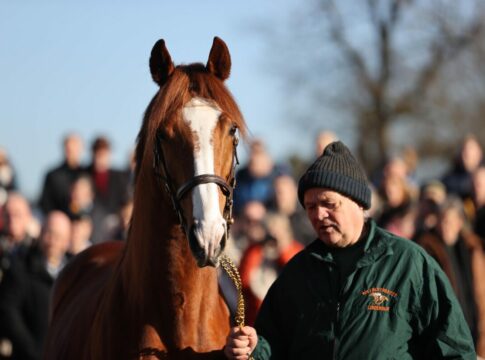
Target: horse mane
185, 83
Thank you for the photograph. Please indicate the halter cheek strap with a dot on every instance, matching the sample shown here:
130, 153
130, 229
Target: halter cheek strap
176, 196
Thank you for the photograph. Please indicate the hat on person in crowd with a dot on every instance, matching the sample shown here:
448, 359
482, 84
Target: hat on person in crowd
337, 169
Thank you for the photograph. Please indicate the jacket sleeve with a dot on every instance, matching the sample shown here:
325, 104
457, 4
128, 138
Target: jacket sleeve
443, 331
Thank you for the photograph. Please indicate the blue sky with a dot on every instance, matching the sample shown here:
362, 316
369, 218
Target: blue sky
83, 66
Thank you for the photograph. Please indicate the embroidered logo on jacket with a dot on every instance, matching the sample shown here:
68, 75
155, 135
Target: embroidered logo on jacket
379, 298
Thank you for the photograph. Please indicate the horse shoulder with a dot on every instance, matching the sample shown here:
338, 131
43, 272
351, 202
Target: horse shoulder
83, 268
76, 293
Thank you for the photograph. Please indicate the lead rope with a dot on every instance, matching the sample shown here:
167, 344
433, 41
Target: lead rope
231, 270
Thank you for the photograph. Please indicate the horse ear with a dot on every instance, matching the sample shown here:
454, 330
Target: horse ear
161, 65
219, 62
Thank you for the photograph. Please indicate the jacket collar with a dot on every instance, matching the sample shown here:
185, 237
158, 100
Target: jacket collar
376, 246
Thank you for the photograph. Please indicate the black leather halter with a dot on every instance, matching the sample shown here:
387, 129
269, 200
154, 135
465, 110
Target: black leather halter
176, 195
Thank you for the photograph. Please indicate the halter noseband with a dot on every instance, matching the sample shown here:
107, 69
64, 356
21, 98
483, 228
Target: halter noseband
176, 196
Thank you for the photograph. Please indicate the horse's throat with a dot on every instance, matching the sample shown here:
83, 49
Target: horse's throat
176, 300
189, 304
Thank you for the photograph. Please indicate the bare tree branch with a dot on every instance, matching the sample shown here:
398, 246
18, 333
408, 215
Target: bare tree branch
387, 86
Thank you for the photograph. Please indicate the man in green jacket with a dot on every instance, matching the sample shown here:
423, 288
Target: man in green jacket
357, 292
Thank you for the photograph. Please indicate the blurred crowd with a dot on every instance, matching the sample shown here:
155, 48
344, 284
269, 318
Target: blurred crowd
84, 204
79, 205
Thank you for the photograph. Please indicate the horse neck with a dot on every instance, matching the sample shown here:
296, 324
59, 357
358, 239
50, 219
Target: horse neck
159, 273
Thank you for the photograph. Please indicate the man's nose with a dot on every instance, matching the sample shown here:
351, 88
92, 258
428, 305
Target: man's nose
322, 213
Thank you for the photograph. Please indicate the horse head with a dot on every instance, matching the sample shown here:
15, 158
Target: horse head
193, 122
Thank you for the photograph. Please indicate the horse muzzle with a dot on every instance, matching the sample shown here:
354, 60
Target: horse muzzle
207, 241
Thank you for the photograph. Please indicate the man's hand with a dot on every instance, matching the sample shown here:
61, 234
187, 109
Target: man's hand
240, 343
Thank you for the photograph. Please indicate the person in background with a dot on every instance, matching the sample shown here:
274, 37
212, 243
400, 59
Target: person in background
25, 292
398, 166
255, 180
323, 138
376, 203
398, 211
401, 221
8, 181
15, 239
357, 291
459, 253
411, 160
111, 187
285, 202
82, 204
58, 181
19, 231
111, 190
478, 181
396, 196
458, 180
81, 197
121, 225
431, 197
262, 261
81, 230
250, 229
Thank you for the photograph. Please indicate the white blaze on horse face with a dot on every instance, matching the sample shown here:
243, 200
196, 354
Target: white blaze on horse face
202, 117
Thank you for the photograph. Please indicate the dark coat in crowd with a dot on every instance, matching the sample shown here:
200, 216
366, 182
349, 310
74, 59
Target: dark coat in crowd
479, 224
111, 189
458, 181
24, 304
471, 291
57, 185
251, 188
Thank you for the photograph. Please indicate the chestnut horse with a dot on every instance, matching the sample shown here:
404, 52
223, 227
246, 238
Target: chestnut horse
154, 297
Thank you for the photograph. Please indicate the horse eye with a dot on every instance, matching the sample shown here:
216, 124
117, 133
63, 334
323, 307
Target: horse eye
233, 130
162, 135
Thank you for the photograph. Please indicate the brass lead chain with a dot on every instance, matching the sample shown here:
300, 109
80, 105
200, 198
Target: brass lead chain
231, 270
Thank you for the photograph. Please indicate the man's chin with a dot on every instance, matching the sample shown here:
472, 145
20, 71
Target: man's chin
331, 241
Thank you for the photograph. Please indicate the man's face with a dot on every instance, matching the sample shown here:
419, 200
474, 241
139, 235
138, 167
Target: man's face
18, 217
450, 225
253, 215
55, 236
286, 195
102, 159
73, 148
471, 154
337, 220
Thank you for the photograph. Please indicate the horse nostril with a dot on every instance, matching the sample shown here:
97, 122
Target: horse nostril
207, 243
222, 243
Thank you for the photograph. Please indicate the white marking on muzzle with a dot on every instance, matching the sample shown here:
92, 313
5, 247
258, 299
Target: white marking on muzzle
202, 117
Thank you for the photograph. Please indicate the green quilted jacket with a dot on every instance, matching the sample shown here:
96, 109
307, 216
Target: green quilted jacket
396, 304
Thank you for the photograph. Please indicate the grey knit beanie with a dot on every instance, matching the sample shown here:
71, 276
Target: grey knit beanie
336, 169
